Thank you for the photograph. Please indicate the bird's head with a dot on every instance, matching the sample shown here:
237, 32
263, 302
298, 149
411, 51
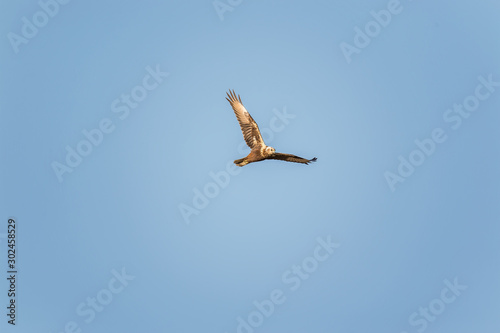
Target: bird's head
270, 150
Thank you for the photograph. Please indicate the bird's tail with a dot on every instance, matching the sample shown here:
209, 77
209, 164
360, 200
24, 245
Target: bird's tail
241, 162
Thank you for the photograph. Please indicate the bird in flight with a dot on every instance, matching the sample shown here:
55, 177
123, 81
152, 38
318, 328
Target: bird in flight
259, 150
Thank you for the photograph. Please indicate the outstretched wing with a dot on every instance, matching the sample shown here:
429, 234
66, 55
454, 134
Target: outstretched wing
290, 158
249, 127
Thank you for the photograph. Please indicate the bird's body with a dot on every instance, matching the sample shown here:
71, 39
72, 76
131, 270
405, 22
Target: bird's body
251, 133
256, 155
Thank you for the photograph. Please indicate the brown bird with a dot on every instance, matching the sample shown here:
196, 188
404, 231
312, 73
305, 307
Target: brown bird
259, 150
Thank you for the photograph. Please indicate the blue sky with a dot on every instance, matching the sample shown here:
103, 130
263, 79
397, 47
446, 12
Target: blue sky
117, 144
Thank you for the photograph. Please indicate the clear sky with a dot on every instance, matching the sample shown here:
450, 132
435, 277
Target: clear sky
117, 146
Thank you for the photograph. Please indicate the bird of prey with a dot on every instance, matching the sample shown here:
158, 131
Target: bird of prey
259, 150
